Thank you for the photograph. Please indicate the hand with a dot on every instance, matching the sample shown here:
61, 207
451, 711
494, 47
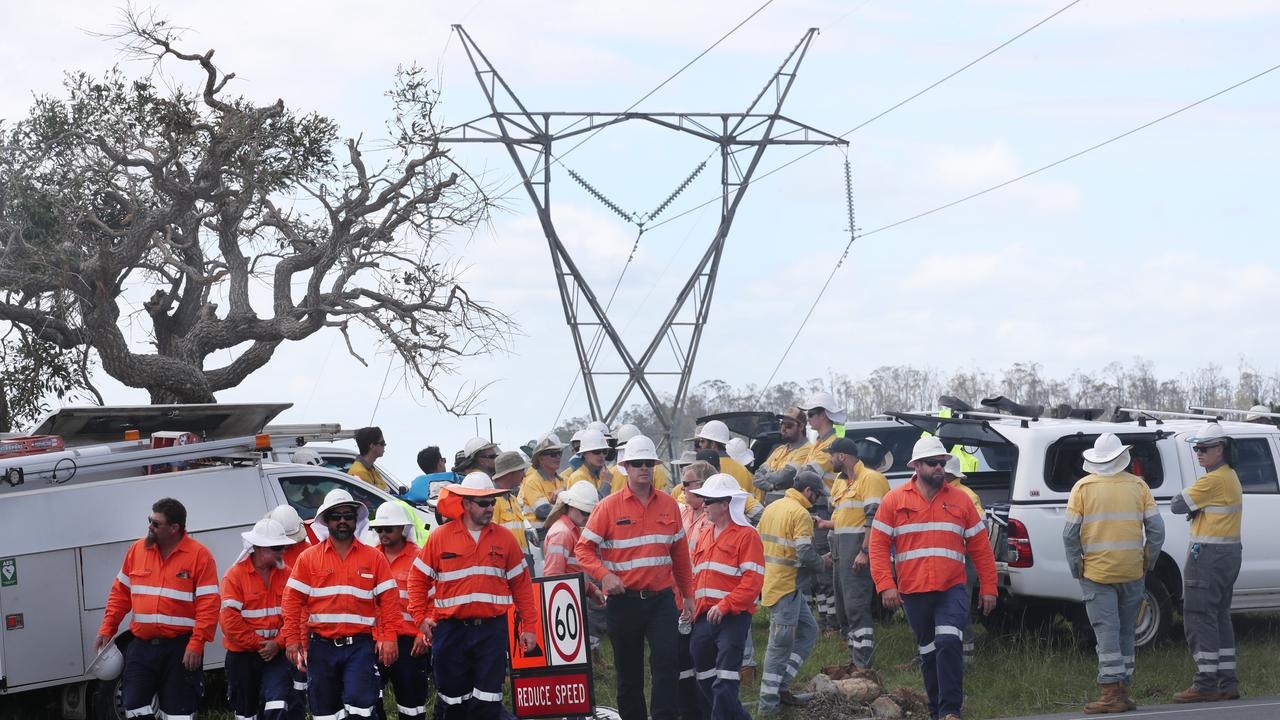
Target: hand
100, 642
528, 642
714, 615
297, 656
825, 524
420, 646
613, 585
686, 615
890, 599
426, 627
193, 660
826, 561
268, 650
555, 495
987, 603
595, 595
861, 561
388, 652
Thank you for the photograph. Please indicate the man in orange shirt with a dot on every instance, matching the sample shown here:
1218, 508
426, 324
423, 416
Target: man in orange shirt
693, 518
564, 527
170, 584
340, 602
408, 675
931, 527
634, 545
258, 673
469, 574
728, 561
296, 530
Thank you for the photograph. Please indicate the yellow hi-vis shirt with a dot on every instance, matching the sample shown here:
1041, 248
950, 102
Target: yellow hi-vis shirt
784, 454
1110, 512
584, 473
742, 475
508, 514
368, 474
785, 525
850, 498
661, 479
977, 501
535, 491
818, 455
1218, 497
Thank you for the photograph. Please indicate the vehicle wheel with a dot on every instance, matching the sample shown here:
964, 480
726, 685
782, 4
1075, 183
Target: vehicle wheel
1155, 615
104, 702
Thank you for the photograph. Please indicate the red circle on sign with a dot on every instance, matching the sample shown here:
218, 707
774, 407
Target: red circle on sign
551, 603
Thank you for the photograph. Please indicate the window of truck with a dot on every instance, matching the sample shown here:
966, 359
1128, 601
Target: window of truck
306, 493
1064, 461
1254, 465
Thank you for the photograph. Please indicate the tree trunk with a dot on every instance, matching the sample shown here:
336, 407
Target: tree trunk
6, 418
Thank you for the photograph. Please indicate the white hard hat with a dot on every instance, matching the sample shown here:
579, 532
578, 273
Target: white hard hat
477, 481
714, 431
640, 448
1105, 449
1258, 412
592, 440
266, 533
108, 664
338, 497
475, 445
599, 427
577, 436
290, 521
724, 485
740, 451
626, 432
581, 495
927, 447
953, 467
391, 513
826, 401
307, 456
1210, 434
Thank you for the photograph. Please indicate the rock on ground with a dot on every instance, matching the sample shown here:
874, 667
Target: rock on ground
886, 709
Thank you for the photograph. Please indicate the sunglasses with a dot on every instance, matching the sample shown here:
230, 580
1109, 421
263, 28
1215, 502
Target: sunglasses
714, 501
488, 457
384, 529
340, 517
934, 463
594, 452
1200, 449
641, 463
813, 412
279, 548
488, 502
153, 523
380, 442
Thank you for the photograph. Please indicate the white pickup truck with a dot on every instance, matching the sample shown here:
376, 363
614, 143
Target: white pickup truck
1029, 465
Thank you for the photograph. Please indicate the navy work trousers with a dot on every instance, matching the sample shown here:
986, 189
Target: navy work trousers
408, 677
342, 680
153, 669
633, 620
717, 656
257, 687
938, 620
469, 658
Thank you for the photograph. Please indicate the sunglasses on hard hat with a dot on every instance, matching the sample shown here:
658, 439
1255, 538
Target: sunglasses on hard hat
641, 463
340, 517
485, 503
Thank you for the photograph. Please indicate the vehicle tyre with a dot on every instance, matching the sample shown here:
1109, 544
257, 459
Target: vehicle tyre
104, 701
1155, 616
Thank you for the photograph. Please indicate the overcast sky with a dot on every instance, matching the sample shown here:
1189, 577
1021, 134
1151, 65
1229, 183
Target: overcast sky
1161, 245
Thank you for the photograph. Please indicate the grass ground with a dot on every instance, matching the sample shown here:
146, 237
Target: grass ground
1015, 675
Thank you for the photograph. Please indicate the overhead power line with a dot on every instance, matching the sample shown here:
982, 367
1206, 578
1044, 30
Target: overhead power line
999, 186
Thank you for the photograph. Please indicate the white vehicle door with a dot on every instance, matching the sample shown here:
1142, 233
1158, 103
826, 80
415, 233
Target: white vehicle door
305, 490
1255, 464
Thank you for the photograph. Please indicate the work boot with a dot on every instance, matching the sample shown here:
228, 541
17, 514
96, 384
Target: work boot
1232, 694
746, 674
1112, 700
1129, 704
1195, 695
786, 697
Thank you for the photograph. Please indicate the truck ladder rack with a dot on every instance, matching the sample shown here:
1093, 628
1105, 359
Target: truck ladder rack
59, 467
303, 433
1231, 411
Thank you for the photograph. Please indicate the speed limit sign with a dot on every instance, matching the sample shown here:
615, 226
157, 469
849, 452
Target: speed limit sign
563, 618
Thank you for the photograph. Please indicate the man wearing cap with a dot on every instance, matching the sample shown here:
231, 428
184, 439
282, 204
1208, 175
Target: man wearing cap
408, 674
508, 473
715, 436
1112, 534
1214, 505
728, 561
635, 546
468, 575
594, 449
341, 613
790, 564
778, 471
372, 445
661, 478
542, 482
930, 527
855, 495
564, 527
258, 673
170, 584
954, 475
296, 530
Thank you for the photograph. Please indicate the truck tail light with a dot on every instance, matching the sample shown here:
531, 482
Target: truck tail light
1019, 554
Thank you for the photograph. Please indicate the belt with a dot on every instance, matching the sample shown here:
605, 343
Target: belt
646, 594
473, 622
184, 639
343, 640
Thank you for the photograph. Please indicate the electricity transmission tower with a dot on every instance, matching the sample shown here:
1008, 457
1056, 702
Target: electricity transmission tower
529, 136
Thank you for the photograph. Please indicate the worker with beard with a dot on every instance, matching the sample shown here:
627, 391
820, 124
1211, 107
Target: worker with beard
408, 675
778, 471
342, 613
921, 534
170, 584
467, 577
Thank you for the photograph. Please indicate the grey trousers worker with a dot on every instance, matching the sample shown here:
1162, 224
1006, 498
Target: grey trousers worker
792, 634
1113, 613
1210, 578
854, 592
824, 592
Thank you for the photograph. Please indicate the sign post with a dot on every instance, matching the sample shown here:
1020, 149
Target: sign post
554, 681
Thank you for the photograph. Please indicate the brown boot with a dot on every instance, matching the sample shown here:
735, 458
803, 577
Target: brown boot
1129, 704
747, 675
1195, 695
1110, 701
1229, 694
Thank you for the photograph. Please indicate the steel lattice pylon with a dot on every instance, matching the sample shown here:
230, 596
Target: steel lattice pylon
761, 126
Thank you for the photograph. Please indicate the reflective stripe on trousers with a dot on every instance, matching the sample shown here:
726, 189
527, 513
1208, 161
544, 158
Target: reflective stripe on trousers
470, 667
792, 634
1210, 578
256, 687
1113, 613
854, 593
717, 653
937, 619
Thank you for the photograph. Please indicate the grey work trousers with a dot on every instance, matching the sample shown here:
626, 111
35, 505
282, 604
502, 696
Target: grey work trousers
1113, 613
854, 591
792, 634
824, 589
1210, 577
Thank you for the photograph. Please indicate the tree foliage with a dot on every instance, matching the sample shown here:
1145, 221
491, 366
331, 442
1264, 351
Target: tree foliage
222, 229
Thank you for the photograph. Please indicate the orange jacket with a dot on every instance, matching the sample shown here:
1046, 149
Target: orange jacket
294, 551
471, 579
169, 597
335, 597
644, 545
728, 570
251, 611
930, 541
400, 568
557, 548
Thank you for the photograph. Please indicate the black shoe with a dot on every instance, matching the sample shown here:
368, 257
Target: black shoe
786, 697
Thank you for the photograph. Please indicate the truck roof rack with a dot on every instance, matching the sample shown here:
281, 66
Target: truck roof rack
1145, 414
303, 433
60, 467
1232, 411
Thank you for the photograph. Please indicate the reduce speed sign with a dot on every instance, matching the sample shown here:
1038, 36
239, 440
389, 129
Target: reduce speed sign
565, 624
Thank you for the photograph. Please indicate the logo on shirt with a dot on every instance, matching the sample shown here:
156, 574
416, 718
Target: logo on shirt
184, 575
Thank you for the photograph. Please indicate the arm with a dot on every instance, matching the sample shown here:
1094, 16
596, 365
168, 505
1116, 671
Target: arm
1195, 497
234, 627
207, 602
808, 558
979, 550
779, 479
682, 565
422, 579
881, 541
119, 600
387, 596
556, 552
743, 596
522, 590
1153, 524
754, 511
1071, 534
294, 604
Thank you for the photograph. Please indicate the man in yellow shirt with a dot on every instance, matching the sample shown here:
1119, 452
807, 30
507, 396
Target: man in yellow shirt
1214, 504
1112, 535
371, 445
509, 469
779, 470
823, 415
594, 449
542, 483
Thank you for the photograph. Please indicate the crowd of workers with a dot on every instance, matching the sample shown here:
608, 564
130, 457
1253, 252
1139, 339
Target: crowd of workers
317, 614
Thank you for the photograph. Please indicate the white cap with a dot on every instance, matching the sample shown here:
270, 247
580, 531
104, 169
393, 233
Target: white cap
641, 448
715, 431
738, 450
826, 401
306, 456
1210, 434
626, 432
475, 445
290, 521
592, 440
953, 468
927, 447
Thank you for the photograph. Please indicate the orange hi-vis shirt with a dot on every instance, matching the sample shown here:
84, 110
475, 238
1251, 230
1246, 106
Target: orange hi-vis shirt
294, 551
168, 597
334, 597
251, 610
400, 570
728, 571
644, 545
930, 541
471, 579
557, 548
